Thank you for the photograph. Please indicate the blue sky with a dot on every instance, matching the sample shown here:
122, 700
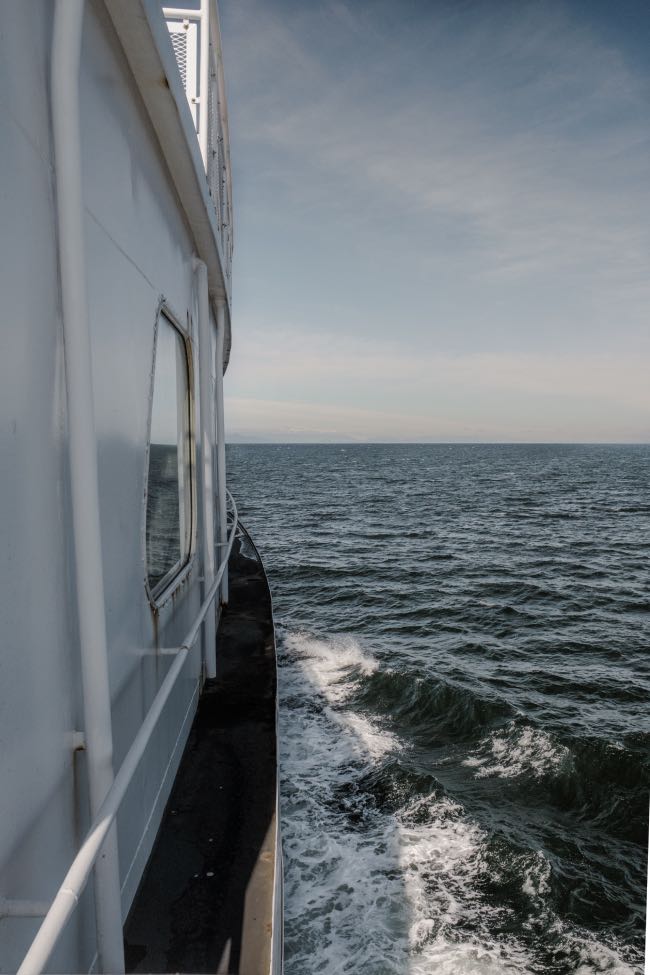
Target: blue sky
442, 220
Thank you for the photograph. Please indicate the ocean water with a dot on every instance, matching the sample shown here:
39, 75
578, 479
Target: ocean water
464, 702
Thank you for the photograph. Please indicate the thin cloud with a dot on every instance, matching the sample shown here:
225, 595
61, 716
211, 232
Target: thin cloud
301, 420
444, 222
577, 397
552, 184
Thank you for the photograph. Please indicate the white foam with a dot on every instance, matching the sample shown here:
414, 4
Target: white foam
442, 859
537, 878
332, 664
592, 956
332, 669
447, 958
514, 751
394, 890
386, 892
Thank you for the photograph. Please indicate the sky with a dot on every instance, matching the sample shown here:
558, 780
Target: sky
442, 220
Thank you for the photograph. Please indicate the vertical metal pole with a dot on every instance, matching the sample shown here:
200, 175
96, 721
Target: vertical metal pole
206, 401
204, 79
221, 442
66, 58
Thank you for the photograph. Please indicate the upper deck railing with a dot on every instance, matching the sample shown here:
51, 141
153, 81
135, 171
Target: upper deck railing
196, 40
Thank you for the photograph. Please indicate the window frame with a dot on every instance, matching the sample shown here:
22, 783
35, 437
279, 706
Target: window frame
159, 594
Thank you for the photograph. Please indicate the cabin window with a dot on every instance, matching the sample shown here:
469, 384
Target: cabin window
169, 487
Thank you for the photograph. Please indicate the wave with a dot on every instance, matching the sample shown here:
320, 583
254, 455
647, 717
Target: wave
516, 751
465, 786
385, 871
427, 710
383, 898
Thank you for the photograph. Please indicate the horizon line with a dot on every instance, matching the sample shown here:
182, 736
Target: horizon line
437, 443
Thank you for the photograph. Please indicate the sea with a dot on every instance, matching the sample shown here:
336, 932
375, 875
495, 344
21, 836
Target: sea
464, 702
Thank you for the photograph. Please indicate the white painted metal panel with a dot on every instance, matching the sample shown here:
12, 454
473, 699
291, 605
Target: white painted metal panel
139, 248
38, 683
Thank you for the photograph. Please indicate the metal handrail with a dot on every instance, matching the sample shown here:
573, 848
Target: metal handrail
67, 896
211, 120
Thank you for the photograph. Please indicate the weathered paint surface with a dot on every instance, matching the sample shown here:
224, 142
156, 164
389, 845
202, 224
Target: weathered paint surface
138, 250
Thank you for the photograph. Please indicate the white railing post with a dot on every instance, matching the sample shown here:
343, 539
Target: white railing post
207, 437
204, 79
221, 439
66, 59
222, 139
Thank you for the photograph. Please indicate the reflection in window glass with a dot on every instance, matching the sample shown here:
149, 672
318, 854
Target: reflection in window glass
169, 509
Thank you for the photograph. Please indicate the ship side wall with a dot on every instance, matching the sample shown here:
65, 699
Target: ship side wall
139, 252
39, 691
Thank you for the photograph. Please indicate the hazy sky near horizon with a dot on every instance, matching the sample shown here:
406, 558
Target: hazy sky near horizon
442, 220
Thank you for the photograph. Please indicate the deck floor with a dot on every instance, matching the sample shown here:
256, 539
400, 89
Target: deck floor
206, 900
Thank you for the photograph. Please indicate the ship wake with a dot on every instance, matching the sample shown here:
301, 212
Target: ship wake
385, 872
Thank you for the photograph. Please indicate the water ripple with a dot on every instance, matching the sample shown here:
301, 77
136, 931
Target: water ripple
465, 681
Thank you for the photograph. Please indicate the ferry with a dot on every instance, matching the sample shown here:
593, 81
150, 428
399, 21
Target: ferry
139, 826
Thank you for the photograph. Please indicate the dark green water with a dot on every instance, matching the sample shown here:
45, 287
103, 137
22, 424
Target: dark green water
465, 687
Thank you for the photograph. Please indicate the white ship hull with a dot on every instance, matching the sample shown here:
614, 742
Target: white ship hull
149, 225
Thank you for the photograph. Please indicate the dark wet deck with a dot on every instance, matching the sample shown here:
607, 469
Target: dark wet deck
206, 900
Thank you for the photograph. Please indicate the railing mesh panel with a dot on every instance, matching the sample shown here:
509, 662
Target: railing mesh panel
185, 38
179, 43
